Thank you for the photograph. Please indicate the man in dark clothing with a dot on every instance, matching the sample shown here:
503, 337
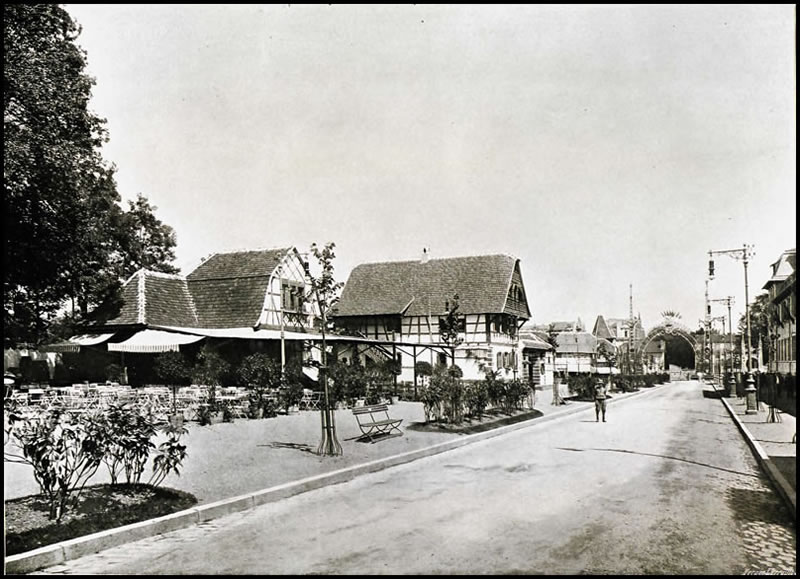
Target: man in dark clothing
600, 400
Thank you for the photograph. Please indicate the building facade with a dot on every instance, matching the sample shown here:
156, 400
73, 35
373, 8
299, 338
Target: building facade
782, 315
404, 303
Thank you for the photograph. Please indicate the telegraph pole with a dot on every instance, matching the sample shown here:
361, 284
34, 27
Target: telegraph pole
728, 301
744, 254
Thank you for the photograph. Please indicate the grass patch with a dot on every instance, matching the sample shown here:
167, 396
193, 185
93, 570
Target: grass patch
98, 508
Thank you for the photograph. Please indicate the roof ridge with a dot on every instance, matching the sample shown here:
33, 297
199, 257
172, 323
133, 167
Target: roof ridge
163, 275
431, 259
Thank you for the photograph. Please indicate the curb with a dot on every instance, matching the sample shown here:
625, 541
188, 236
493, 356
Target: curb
785, 490
64, 551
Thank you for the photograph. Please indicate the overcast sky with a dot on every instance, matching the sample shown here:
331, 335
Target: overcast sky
602, 145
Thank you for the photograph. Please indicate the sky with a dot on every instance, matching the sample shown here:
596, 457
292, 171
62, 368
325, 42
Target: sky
608, 147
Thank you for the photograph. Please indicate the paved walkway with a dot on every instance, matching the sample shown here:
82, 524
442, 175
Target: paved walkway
775, 432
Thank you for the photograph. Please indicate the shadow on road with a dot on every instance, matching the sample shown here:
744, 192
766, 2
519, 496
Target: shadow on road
659, 456
716, 394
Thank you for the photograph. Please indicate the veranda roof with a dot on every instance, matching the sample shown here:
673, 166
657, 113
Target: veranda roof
154, 341
75, 343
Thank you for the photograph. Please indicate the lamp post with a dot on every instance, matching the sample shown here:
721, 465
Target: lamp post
744, 254
728, 301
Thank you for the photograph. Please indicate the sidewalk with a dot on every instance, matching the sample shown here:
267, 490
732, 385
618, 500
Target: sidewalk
771, 436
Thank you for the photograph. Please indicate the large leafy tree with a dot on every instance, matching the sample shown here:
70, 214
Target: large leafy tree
66, 236
760, 312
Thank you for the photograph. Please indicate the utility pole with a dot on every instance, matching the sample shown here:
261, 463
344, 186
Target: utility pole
728, 301
630, 327
706, 324
744, 254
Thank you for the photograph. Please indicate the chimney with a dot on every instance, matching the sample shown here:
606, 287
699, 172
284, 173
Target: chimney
425, 256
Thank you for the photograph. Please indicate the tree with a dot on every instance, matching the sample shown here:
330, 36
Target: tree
552, 339
67, 237
324, 291
146, 241
174, 370
760, 311
607, 353
450, 326
57, 189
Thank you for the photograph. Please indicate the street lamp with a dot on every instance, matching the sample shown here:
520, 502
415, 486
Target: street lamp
728, 301
744, 254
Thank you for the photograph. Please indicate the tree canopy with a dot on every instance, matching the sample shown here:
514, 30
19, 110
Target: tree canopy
67, 238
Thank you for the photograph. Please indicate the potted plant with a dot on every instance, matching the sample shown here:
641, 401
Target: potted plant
174, 370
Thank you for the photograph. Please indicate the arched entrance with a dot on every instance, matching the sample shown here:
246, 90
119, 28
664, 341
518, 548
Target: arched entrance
666, 330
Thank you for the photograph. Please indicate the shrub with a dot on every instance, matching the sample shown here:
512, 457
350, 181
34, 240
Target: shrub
64, 451
348, 383
127, 437
516, 392
495, 388
476, 398
452, 393
581, 385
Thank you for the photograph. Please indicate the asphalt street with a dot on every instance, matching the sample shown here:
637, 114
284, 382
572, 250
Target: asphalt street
666, 486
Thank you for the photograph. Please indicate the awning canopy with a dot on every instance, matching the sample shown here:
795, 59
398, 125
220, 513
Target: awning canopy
154, 341
75, 343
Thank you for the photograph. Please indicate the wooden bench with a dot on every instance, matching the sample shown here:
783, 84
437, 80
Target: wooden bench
374, 421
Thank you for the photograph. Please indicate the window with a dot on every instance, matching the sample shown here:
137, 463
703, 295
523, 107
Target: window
290, 295
499, 360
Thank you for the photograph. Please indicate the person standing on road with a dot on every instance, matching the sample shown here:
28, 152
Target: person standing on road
600, 395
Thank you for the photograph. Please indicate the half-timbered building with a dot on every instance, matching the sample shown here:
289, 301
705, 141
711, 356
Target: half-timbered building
241, 302
404, 303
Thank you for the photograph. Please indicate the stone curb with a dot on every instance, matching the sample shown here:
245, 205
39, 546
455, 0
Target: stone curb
58, 553
785, 490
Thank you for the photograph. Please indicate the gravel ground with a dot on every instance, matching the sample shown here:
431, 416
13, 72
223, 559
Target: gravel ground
230, 459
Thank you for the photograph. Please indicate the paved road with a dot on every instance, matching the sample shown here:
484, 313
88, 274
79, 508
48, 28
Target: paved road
666, 486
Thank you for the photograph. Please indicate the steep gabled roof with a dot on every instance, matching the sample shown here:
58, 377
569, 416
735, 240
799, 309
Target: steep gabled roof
155, 298
601, 329
418, 288
229, 288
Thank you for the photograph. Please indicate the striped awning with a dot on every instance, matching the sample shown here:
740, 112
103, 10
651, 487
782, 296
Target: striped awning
75, 343
154, 341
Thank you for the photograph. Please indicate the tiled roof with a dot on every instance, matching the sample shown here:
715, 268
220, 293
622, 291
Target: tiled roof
416, 288
156, 299
225, 291
229, 288
601, 328
782, 268
576, 343
561, 326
